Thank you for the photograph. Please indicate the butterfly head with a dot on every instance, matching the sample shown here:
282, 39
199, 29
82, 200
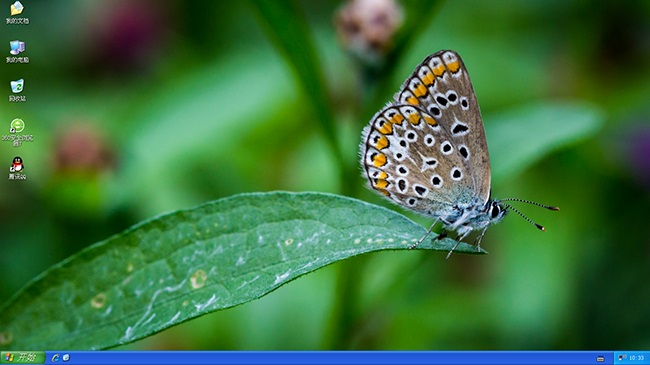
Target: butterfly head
496, 211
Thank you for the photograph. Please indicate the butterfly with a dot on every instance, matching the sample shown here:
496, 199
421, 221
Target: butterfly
426, 151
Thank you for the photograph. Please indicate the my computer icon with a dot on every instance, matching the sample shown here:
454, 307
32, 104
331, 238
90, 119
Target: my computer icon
17, 47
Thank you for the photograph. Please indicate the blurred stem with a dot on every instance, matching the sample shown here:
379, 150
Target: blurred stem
375, 83
344, 313
286, 25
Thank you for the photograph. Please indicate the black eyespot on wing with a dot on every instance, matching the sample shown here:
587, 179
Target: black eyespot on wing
421, 190
441, 100
401, 185
459, 128
435, 111
436, 181
463, 151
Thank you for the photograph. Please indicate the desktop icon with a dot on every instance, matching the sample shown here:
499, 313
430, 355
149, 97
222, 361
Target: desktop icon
65, 357
17, 86
17, 165
55, 357
17, 47
17, 126
16, 8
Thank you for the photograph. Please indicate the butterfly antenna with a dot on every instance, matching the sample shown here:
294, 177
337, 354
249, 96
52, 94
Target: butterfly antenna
529, 202
539, 226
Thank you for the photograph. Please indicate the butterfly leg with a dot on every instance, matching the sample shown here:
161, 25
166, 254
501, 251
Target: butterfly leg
480, 238
458, 240
425, 236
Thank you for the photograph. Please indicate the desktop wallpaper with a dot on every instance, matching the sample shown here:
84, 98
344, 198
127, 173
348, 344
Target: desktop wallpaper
131, 109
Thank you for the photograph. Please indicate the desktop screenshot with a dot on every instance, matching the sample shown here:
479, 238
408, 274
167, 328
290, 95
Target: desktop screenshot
324, 182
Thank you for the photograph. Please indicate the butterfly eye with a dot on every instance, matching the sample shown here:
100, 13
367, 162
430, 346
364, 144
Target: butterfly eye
495, 209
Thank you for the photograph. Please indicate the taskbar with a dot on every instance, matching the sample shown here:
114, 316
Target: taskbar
325, 357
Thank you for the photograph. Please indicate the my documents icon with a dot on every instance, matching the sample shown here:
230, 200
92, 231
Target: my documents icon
16, 8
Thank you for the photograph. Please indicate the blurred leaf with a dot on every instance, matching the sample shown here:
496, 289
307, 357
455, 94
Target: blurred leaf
185, 264
521, 137
287, 26
200, 115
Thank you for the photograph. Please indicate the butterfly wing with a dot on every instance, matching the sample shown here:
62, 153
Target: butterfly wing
427, 150
407, 156
441, 86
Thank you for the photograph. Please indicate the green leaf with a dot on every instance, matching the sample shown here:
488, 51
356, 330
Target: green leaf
188, 263
521, 137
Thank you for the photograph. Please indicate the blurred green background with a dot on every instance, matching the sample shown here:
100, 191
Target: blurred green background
143, 107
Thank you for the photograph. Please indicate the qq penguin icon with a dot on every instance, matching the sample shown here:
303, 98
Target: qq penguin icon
17, 166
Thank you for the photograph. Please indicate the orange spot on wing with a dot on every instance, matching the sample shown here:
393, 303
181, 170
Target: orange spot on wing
430, 120
398, 118
387, 128
439, 70
382, 175
412, 100
379, 160
414, 118
454, 66
384, 192
420, 91
428, 79
382, 143
381, 184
